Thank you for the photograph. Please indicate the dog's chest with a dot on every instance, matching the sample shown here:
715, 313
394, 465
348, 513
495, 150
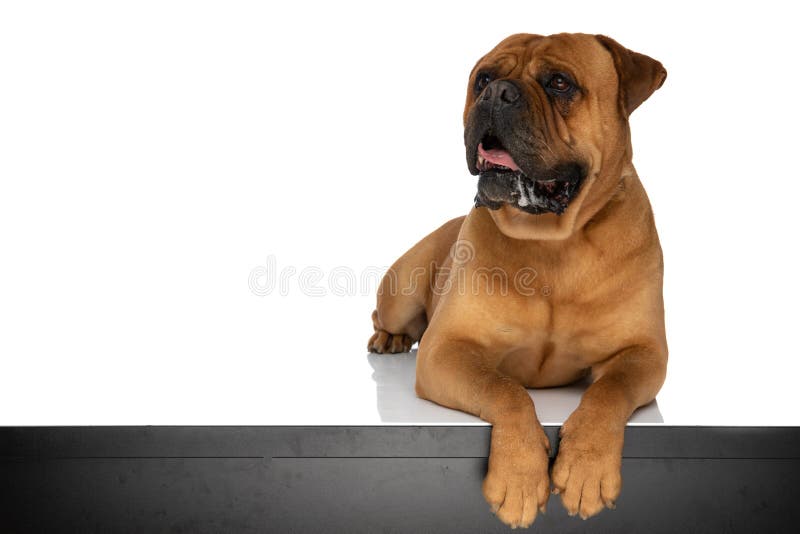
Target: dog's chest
548, 349
553, 334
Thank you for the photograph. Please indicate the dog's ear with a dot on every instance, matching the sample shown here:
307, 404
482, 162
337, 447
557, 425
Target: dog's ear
639, 75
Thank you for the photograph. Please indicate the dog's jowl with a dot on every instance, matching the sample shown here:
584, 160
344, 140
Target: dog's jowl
553, 276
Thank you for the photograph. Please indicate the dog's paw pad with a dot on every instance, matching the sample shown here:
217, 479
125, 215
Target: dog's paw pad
517, 498
587, 476
384, 342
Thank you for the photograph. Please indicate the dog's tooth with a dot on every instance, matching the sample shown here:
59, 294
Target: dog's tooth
481, 162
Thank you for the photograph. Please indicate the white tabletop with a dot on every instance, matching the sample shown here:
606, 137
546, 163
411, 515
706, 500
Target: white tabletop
394, 392
273, 360
157, 162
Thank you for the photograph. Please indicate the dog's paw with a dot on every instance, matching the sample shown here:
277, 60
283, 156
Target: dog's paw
383, 342
517, 485
587, 469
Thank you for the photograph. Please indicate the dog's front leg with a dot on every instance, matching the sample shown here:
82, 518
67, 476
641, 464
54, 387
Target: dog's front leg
460, 374
587, 468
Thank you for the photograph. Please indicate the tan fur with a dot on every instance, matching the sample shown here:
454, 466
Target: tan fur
594, 308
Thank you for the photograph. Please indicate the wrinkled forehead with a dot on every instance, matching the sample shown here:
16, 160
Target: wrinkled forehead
577, 54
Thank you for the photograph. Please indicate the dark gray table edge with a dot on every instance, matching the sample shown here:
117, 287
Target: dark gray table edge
354, 479
658, 441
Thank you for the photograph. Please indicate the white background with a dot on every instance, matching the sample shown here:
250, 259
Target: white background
152, 154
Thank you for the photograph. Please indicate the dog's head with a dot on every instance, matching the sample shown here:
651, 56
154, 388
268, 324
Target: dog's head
546, 128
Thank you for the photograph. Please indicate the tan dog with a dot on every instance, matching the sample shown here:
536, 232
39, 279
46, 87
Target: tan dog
556, 274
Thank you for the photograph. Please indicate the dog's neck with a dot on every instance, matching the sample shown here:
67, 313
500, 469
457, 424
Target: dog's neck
626, 206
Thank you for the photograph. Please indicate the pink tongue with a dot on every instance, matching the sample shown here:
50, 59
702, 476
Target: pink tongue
498, 156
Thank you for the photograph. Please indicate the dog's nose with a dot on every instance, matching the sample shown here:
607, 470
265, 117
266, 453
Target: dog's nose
501, 92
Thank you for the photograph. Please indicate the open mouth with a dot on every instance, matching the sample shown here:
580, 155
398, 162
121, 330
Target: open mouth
501, 181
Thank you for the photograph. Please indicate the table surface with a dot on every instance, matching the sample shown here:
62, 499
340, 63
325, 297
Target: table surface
393, 376
278, 360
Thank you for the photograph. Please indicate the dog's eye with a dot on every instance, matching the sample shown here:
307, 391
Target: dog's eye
559, 83
481, 81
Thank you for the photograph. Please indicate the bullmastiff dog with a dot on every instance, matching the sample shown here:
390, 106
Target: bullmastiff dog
554, 276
